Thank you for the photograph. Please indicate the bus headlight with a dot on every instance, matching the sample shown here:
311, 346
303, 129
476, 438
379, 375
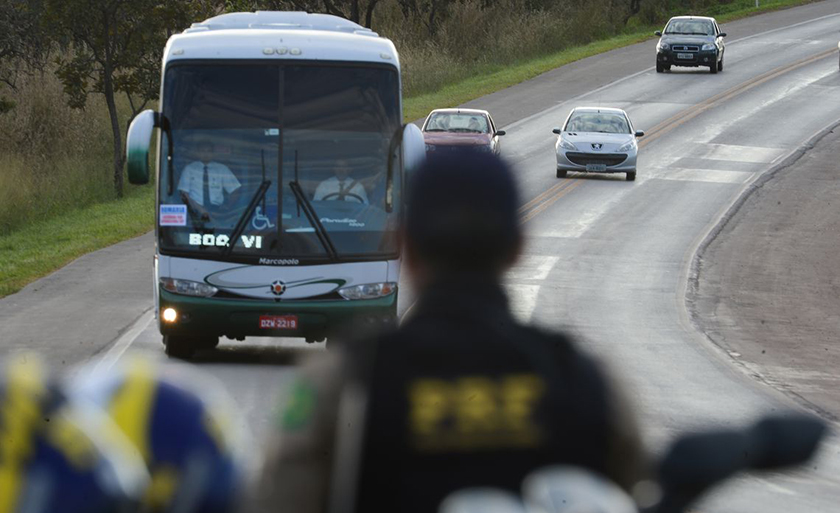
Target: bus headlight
169, 315
368, 290
188, 288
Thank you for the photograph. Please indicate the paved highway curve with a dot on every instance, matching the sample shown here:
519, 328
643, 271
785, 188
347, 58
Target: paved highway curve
608, 259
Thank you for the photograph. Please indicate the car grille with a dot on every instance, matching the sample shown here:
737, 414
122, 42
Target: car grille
582, 159
682, 48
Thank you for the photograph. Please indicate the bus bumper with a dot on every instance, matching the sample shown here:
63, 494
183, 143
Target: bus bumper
315, 320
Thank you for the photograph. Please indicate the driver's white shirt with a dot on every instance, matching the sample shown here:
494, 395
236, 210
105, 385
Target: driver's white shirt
219, 178
333, 186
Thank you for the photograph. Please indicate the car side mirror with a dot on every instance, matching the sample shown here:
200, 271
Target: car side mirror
639, 133
658, 33
500, 132
722, 34
556, 130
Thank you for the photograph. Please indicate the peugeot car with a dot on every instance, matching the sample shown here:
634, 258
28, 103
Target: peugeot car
449, 129
690, 41
597, 140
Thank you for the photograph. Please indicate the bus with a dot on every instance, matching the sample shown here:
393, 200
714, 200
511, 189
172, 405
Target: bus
280, 175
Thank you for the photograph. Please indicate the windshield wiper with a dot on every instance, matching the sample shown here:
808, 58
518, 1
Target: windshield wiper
243, 221
435, 130
303, 201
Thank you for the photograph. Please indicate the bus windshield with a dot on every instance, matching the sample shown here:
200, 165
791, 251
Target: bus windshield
245, 136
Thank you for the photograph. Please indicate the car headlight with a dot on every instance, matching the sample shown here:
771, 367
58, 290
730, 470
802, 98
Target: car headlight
628, 146
708, 46
430, 147
566, 145
662, 46
188, 288
368, 290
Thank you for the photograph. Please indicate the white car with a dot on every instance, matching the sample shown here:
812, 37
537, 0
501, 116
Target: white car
597, 140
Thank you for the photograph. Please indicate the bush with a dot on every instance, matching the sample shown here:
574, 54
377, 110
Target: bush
52, 158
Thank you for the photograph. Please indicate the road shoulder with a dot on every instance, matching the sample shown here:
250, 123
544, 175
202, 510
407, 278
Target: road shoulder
766, 286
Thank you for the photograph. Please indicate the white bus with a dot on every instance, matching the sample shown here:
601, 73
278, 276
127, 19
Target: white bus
281, 164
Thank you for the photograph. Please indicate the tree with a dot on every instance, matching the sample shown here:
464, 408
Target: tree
635, 7
429, 12
357, 11
22, 47
116, 47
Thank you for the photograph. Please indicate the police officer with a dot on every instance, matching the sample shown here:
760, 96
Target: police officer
461, 395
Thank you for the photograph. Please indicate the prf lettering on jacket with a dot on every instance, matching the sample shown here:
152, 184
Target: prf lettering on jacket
473, 413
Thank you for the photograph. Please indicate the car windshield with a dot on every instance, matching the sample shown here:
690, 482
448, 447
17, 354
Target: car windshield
457, 122
603, 122
246, 136
690, 27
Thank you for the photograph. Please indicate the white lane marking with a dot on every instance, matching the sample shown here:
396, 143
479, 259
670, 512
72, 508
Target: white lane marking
523, 300
124, 341
714, 130
523, 296
705, 175
736, 153
532, 267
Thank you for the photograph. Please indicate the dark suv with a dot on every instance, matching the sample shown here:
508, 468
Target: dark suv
690, 41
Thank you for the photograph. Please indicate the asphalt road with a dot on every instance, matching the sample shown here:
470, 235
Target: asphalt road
606, 258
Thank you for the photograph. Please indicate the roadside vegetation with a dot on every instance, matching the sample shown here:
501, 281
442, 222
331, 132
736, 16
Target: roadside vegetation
64, 108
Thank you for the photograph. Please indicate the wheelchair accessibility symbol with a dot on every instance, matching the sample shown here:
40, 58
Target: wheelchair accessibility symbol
260, 221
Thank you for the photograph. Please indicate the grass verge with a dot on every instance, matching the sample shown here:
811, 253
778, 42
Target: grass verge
495, 78
42, 247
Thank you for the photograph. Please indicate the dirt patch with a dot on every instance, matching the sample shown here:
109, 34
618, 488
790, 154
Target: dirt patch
768, 285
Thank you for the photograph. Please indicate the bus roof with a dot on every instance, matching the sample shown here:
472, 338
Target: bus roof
280, 35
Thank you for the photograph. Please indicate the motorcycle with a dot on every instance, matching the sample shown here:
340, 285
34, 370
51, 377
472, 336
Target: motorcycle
693, 465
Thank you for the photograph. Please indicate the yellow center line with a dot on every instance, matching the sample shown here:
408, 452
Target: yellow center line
545, 199
692, 112
547, 203
545, 194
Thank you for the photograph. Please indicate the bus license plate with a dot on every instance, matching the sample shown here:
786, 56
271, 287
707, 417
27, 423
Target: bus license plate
279, 322
685, 56
596, 167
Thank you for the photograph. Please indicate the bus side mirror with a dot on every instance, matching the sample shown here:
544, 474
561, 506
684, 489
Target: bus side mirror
137, 146
413, 148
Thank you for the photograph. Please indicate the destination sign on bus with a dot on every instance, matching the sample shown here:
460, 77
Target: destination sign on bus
209, 239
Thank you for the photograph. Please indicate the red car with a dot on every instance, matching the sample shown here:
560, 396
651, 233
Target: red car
448, 129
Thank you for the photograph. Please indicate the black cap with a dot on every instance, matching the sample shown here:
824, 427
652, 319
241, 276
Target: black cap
462, 212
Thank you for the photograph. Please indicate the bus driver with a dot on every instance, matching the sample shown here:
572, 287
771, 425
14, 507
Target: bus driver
341, 187
203, 182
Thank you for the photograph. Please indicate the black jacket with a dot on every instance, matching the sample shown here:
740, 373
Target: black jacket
461, 395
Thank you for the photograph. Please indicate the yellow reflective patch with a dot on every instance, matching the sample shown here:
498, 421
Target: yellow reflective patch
162, 488
73, 443
131, 407
475, 412
20, 412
